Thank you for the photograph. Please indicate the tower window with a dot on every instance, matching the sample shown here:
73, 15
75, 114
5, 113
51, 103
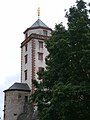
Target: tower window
19, 96
45, 32
26, 58
40, 44
4, 116
26, 35
26, 47
15, 114
5, 97
26, 98
40, 69
25, 74
40, 56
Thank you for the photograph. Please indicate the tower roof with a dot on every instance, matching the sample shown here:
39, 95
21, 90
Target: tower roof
19, 87
38, 24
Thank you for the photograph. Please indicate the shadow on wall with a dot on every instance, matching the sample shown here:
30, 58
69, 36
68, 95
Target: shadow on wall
29, 113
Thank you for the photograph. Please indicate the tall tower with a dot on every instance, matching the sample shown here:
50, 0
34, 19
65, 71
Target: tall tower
33, 51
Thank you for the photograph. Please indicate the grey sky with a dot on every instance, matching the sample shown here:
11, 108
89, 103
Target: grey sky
15, 17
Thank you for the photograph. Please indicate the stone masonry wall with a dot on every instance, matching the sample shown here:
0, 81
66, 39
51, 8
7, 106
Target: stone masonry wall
14, 104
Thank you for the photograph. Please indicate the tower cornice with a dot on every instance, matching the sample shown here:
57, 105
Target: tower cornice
32, 28
34, 36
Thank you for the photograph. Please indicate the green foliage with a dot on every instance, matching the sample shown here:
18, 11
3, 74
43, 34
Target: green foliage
64, 93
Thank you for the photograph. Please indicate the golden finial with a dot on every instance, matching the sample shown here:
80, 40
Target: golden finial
38, 11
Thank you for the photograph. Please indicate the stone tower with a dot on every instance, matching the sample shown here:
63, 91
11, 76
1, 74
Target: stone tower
15, 100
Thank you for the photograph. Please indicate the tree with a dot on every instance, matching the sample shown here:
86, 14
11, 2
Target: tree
64, 93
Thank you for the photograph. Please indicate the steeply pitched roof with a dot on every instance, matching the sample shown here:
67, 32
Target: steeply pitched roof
39, 23
19, 87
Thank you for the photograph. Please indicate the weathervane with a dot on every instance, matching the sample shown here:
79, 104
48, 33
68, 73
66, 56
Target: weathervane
38, 11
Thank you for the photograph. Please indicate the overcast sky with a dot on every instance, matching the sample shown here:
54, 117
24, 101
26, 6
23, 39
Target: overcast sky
15, 17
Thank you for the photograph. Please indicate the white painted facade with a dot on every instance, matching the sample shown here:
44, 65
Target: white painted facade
38, 31
28, 65
40, 63
32, 52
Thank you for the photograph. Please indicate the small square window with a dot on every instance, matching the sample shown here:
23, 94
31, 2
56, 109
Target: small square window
19, 96
15, 114
26, 98
40, 56
40, 69
45, 32
40, 44
25, 72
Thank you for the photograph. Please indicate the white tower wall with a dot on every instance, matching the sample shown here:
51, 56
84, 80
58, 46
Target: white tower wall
33, 49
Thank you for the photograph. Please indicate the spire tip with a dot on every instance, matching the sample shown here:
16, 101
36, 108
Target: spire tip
38, 11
